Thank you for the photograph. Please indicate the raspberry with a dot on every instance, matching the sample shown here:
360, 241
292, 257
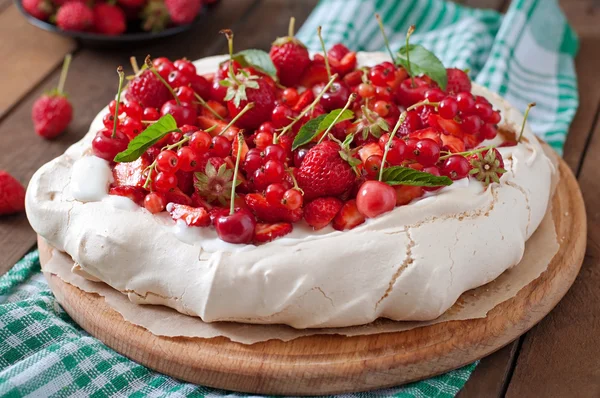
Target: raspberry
74, 16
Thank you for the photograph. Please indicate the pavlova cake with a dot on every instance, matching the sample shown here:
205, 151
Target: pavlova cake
283, 188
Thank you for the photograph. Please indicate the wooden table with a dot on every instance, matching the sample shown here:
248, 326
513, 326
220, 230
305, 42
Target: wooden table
559, 357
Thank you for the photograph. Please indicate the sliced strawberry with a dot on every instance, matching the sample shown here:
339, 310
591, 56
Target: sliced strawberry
348, 217
452, 143
428, 132
192, 216
199, 201
271, 213
447, 125
185, 181
131, 173
176, 196
406, 193
206, 122
353, 78
344, 65
315, 73
216, 106
136, 194
304, 100
268, 232
321, 211
369, 149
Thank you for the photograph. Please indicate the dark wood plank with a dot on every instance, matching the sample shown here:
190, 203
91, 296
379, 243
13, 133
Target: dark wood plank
491, 4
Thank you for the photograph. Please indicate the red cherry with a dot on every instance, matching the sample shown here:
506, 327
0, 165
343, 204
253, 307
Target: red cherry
427, 152
382, 74
372, 165
184, 113
220, 146
336, 96
154, 202
200, 141
150, 114
167, 161
456, 167
188, 159
281, 116
177, 79
185, 94
274, 171
292, 199
408, 95
274, 193
165, 182
465, 102
185, 66
397, 152
366, 90
237, 227
217, 92
448, 108
299, 156
200, 85
275, 152
106, 147
375, 198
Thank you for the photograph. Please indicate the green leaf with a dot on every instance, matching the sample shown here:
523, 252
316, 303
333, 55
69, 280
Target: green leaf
257, 59
423, 62
398, 175
147, 138
313, 127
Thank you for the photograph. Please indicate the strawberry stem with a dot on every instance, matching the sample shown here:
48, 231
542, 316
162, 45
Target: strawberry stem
529, 106
205, 105
134, 65
116, 121
324, 53
411, 29
63, 74
385, 38
350, 100
148, 63
237, 117
291, 27
389, 143
240, 139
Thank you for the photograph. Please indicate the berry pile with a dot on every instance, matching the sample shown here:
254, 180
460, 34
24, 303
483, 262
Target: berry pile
269, 140
114, 18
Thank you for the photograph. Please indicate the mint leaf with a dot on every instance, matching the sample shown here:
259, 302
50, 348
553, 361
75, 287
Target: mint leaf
257, 59
423, 62
147, 138
398, 175
313, 127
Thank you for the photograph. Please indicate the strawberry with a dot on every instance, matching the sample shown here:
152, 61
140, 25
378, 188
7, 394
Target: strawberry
109, 19
183, 12
12, 194
206, 122
271, 213
131, 173
290, 57
147, 90
268, 232
406, 193
452, 143
458, 81
428, 132
370, 149
348, 217
136, 194
192, 216
74, 16
176, 196
131, 3
315, 73
321, 211
257, 91
40, 9
323, 172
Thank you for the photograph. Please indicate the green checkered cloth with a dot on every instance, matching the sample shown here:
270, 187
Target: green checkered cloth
526, 55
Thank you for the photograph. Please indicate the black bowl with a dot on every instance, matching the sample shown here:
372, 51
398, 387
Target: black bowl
130, 37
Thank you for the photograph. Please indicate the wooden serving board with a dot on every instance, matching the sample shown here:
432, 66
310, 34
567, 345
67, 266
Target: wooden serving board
328, 364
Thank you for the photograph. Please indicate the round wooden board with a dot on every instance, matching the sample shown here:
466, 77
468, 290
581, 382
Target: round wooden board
328, 364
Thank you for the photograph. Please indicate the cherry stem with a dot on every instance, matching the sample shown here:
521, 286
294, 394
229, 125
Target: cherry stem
134, 65
291, 27
148, 63
229, 35
529, 106
468, 153
63, 74
116, 121
205, 105
237, 117
240, 138
389, 143
305, 110
411, 29
385, 38
324, 53
339, 115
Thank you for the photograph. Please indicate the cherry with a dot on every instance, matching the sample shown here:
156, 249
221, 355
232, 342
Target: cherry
188, 130
412, 122
220, 146
188, 159
237, 227
408, 95
274, 171
275, 152
397, 152
383, 140
382, 108
299, 156
185, 94
274, 193
336, 96
106, 147
200, 141
174, 137
262, 140
434, 95
178, 79
165, 182
456, 167
290, 96
436, 172
217, 92
185, 67
154, 202
133, 110
448, 108
167, 161
465, 102
131, 127
292, 199
281, 116
375, 198
183, 113
200, 85
427, 152
150, 114
366, 90
372, 165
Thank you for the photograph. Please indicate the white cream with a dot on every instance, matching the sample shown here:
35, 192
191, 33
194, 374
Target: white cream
90, 179
409, 264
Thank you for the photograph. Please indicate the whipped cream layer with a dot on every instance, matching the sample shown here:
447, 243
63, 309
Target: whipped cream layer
409, 264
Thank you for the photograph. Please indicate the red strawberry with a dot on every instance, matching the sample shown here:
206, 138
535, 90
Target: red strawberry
290, 57
40, 9
323, 172
74, 16
406, 193
268, 232
192, 216
148, 91
321, 211
183, 12
136, 194
109, 19
315, 73
263, 98
12, 194
458, 81
131, 3
131, 173
348, 217
176, 196
271, 213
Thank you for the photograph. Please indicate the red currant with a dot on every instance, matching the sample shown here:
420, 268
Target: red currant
150, 114
434, 95
427, 152
436, 172
183, 113
185, 67
132, 127
154, 202
164, 70
161, 60
167, 161
448, 108
220, 146
484, 111
397, 152
456, 167
259, 179
488, 131
366, 90
200, 141
274, 193
188, 160
274, 171
185, 94
372, 165
289, 96
109, 120
262, 140
382, 108
133, 110
165, 182
384, 93
465, 102
292, 199
495, 118
275, 152
252, 162
178, 79
382, 74
266, 127
471, 124
112, 106
281, 116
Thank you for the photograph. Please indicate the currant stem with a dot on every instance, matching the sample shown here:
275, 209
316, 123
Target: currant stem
134, 65
291, 27
411, 29
296, 187
468, 153
205, 105
324, 53
421, 103
385, 38
63, 74
148, 178
350, 100
529, 106
178, 144
389, 143
148, 62
237, 117
116, 121
240, 139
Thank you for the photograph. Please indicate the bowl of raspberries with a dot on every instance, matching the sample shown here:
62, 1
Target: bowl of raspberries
116, 22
